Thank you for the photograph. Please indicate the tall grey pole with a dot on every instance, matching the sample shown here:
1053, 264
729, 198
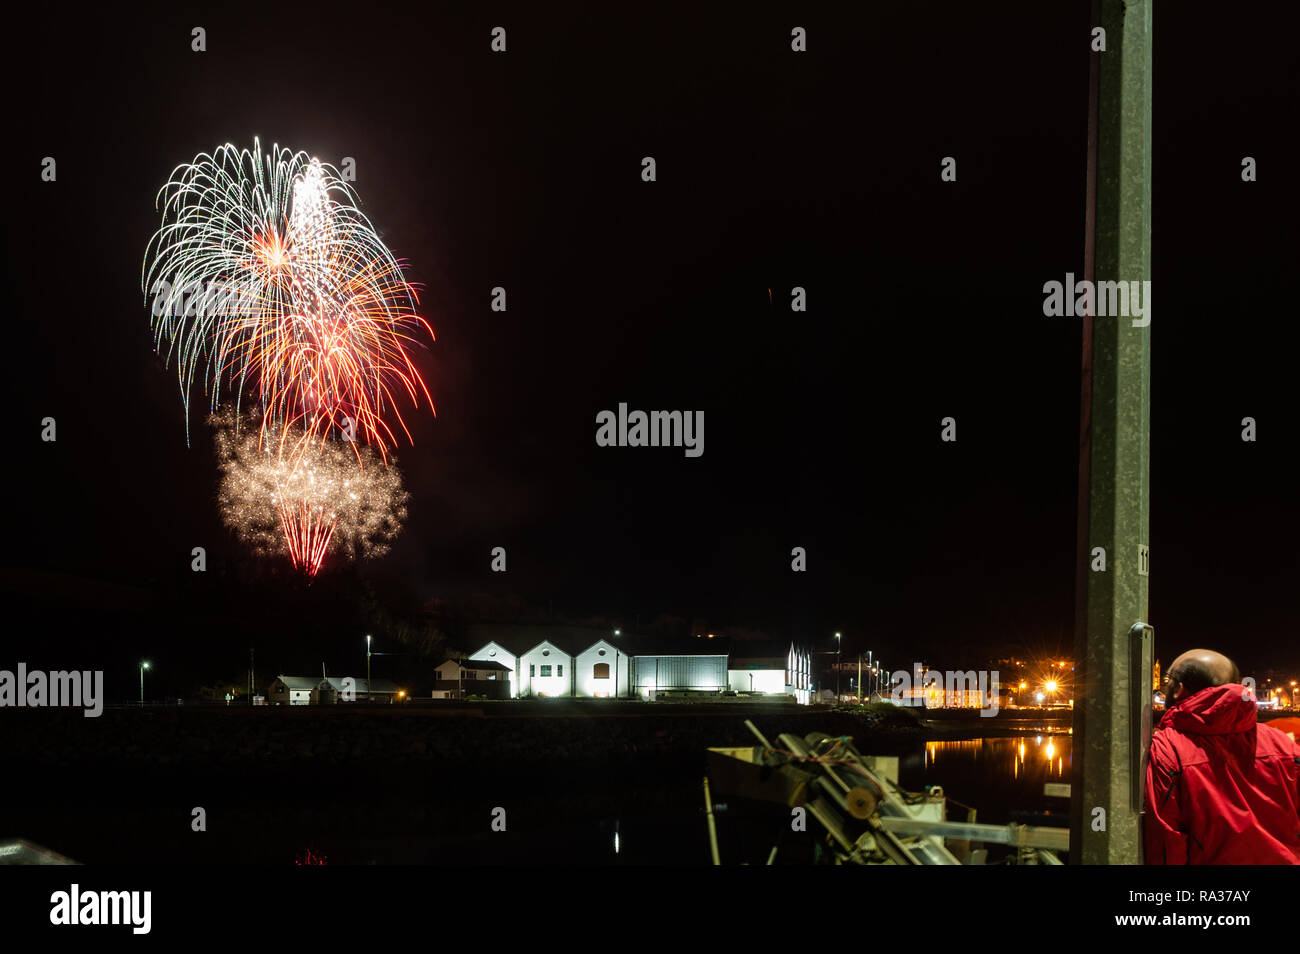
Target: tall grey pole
837, 668
1111, 604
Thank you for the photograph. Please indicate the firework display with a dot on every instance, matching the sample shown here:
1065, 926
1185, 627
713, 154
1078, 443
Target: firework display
321, 500
266, 276
270, 287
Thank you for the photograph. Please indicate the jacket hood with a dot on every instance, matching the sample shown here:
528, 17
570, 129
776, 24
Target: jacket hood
1218, 710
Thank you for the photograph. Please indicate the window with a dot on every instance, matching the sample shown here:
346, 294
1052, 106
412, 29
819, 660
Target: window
559, 670
546, 671
471, 674
492, 652
546, 652
532, 670
602, 652
600, 671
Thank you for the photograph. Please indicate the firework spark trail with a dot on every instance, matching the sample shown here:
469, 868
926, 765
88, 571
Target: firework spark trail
307, 532
329, 498
343, 362
322, 318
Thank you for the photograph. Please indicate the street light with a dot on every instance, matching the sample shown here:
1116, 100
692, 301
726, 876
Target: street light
367, 667
837, 668
143, 667
615, 694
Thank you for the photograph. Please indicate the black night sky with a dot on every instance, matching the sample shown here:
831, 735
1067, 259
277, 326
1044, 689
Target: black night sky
775, 170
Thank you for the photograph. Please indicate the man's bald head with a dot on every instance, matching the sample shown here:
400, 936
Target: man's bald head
1199, 669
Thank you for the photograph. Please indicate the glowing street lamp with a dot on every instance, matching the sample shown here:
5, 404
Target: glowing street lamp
143, 667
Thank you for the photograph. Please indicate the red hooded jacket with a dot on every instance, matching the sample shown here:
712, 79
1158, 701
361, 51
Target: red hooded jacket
1221, 789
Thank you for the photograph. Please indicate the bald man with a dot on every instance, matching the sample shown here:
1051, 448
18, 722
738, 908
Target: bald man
1221, 789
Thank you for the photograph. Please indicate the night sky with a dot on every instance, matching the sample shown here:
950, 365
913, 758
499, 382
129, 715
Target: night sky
775, 169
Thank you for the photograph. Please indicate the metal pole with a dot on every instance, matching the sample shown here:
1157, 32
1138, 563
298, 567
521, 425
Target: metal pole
1114, 457
713, 831
837, 668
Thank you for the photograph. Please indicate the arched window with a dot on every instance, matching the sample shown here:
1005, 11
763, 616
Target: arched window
600, 671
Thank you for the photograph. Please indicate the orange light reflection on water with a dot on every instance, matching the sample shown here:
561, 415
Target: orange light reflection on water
1036, 757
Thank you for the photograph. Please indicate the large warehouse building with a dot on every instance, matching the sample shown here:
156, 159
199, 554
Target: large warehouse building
576, 662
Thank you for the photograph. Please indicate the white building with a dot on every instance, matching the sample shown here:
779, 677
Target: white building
292, 691
783, 668
553, 661
569, 661
602, 671
493, 651
546, 670
317, 690
458, 678
664, 667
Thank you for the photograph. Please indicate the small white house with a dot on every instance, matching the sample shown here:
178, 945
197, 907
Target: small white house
602, 671
546, 670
